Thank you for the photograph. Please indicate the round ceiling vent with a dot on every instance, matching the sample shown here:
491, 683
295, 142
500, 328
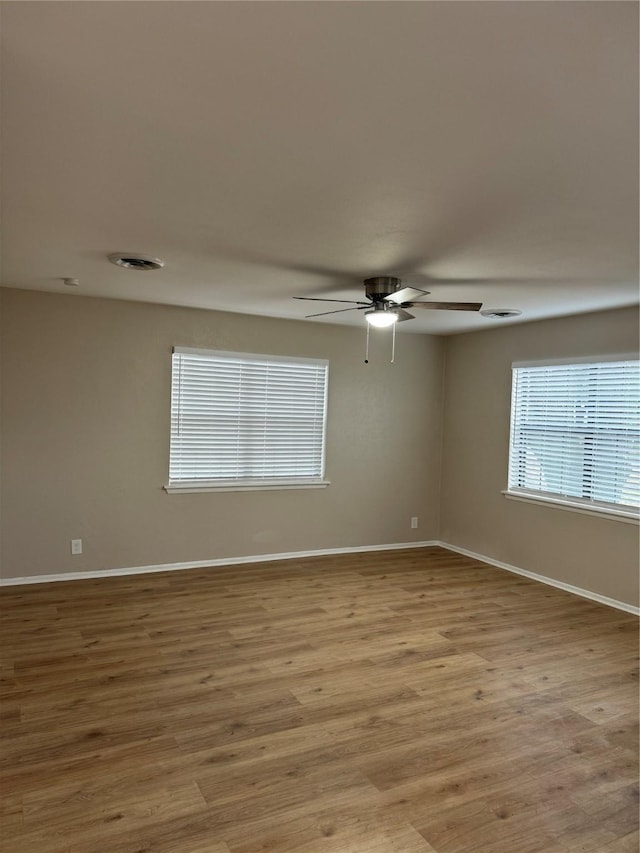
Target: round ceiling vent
132, 261
500, 313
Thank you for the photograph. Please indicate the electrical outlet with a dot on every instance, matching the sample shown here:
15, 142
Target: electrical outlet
76, 546
414, 522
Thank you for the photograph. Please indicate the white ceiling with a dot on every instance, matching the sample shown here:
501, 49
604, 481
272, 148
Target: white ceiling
266, 150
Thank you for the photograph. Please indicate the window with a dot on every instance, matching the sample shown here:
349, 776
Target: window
575, 434
246, 421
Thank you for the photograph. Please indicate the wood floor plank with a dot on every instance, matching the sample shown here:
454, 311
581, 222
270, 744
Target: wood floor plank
389, 702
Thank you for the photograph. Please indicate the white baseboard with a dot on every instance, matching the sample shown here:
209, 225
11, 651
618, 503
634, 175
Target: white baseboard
207, 564
320, 552
567, 587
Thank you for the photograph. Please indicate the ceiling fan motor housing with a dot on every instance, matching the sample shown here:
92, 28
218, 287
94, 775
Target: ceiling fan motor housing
380, 286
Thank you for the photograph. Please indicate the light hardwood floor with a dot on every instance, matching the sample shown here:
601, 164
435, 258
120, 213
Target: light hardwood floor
391, 702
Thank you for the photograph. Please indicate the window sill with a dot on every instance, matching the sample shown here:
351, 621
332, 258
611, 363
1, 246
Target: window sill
230, 486
625, 515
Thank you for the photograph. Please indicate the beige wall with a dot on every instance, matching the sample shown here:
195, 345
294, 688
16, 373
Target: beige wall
594, 553
86, 434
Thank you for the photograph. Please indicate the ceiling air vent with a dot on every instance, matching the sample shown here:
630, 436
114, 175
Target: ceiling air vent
131, 261
500, 313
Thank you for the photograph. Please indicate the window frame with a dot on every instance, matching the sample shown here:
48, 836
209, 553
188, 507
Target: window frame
258, 484
618, 512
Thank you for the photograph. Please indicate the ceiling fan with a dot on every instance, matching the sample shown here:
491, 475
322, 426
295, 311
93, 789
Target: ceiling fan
388, 301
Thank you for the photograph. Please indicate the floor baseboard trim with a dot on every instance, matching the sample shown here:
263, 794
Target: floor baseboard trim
567, 587
206, 564
320, 552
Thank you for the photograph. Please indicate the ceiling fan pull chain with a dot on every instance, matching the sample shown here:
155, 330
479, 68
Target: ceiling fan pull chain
366, 354
393, 344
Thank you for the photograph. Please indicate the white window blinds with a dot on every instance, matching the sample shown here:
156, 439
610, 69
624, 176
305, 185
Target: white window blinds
239, 419
575, 432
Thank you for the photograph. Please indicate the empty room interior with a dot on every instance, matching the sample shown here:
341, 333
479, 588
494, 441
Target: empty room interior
320, 427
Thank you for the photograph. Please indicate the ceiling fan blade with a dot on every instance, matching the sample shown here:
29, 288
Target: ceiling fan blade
406, 294
338, 311
448, 306
403, 315
320, 299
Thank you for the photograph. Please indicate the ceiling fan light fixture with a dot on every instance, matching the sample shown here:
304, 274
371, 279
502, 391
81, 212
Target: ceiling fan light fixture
381, 318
